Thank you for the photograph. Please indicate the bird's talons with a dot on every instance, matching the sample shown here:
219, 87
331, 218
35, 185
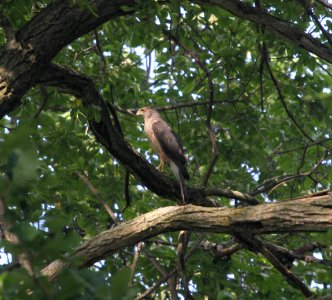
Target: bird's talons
161, 166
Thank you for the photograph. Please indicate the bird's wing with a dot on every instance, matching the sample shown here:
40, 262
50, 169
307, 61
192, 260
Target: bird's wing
170, 144
168, 141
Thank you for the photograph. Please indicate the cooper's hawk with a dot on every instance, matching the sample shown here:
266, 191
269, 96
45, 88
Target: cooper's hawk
167, 144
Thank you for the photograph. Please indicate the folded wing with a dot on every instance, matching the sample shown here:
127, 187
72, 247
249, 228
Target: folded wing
171, 145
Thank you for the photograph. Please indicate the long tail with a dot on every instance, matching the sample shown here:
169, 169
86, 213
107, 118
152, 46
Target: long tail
183, 189
178, 174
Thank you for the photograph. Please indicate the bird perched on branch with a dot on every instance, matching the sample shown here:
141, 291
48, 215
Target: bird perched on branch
166, 144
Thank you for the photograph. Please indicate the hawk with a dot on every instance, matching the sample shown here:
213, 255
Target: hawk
166, 144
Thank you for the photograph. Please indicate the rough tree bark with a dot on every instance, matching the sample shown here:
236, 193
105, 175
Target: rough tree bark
24, 59
300, 215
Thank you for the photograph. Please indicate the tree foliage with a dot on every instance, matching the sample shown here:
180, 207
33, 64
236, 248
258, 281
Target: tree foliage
245, 84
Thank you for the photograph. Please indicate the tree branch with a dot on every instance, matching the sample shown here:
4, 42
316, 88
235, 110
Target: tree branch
228, 193
172, 279
132, 111
271, 184
325, 3
168, 275
201, 64
258, 245
94, 191
107, 134
220, 251
276, 25
7, 28
23, 258
41, 39
38, 42
300, 215
281, 97
183, 241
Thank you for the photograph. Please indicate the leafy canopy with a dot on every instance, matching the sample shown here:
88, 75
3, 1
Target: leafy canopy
270, 105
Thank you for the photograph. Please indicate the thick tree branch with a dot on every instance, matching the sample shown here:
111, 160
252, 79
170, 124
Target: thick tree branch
282, 28
259, 246
7, 28
299, 254
301, 215
37, 43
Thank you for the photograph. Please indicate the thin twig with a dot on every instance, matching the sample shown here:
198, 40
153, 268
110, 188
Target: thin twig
100, 53
126, 190
286, 272
201, 64
228, 193
94, 191
132, 111
171, 281
321, 27
299, 253
12, 266
170, 274
271, 184
133, 266
282, 99
127, 175
45, 95
215, 155
260, 30
314, 143
256, 244
112, 111
324, 69
181, 267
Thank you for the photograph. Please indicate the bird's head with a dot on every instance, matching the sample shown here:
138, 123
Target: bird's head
146, 111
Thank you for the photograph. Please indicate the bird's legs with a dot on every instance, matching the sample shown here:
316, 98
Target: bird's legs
161, 165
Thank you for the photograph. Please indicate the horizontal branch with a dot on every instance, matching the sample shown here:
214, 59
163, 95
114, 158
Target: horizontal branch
178, 105
228, 193
301, 215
